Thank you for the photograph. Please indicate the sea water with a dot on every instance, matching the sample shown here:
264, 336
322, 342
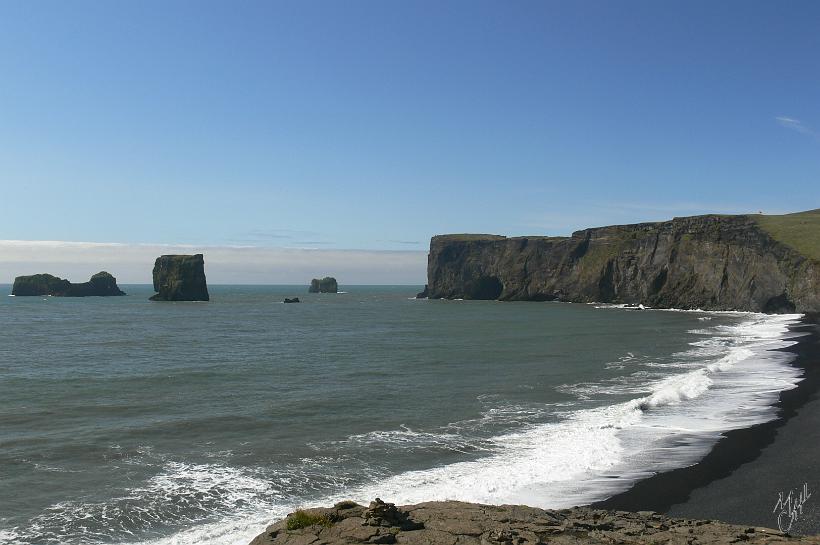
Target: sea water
127, 421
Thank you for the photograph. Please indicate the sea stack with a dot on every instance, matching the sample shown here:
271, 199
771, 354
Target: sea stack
327, 284
101, 284
180, 278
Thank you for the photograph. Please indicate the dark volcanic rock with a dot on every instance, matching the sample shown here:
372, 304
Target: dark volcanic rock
706, 262
39, 284
101, 284
294, 300
424, 294
325, 285
457, 523
180, 278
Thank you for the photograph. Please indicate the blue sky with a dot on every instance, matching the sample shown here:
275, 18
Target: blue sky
376, 124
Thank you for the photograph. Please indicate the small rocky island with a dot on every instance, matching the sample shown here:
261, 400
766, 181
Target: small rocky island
327, 284
458, 523
180, 278
101, 284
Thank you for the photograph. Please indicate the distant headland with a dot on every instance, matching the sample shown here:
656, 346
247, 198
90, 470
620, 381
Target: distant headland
757, 263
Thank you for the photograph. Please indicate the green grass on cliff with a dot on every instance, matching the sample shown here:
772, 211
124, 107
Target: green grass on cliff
301, 519
801, 230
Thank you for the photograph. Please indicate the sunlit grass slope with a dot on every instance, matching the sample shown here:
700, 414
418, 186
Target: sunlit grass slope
801, 230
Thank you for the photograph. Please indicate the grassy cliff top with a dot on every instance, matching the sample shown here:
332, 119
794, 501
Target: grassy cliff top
800, 230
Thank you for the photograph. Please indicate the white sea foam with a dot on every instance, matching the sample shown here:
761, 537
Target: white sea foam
409, 439
232, 530
729, 379
593, 453
10, 536
179, 494
565, 463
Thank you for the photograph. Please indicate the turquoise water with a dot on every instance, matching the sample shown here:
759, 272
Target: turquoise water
126, 421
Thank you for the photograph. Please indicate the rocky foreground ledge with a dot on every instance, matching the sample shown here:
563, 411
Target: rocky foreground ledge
457, 523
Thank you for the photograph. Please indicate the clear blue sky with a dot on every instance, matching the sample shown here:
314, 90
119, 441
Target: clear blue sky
376, 124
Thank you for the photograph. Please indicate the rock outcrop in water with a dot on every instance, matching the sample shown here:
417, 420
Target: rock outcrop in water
101, 284
327, 284
180, 278
751, 263
457, 523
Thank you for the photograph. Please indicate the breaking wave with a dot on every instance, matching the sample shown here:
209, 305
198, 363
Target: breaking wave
555, 455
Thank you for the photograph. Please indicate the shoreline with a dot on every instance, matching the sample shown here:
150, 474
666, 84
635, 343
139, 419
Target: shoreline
709, 488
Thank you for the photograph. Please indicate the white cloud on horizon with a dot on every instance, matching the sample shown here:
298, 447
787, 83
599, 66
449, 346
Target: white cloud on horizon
132, 263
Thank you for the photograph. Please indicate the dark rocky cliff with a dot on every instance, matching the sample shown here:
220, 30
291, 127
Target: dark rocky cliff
101, 284
327, 284
180, 278
709, 262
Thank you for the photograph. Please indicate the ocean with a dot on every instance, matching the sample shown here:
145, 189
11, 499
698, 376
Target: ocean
127, 421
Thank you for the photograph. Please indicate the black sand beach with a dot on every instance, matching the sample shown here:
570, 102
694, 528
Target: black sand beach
742, 478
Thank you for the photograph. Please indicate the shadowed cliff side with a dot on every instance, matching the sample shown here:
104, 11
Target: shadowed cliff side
751, 263
180, 278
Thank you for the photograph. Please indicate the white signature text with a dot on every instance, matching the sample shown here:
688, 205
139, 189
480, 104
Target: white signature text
790, 507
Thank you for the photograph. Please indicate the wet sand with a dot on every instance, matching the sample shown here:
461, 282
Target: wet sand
741, 480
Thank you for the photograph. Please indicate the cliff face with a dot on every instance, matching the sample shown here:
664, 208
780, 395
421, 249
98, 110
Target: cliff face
101, 284
707, 262
327, 284
180, 278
